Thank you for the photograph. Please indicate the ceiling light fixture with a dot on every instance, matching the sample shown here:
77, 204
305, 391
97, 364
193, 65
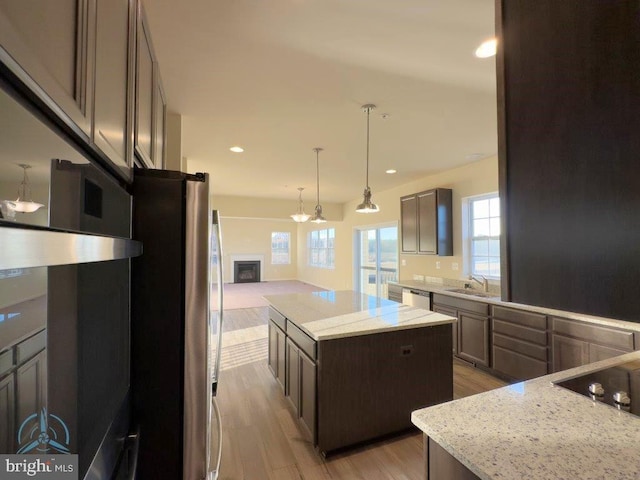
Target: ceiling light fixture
391, 171
487, 48
237, 149
24, 204
300, 216
367, 206
318, 218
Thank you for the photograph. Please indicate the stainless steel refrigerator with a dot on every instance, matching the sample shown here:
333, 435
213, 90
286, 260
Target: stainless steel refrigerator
172, 326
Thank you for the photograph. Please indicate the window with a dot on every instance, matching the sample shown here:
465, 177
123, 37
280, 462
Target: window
320, 247
483, 232
280, 251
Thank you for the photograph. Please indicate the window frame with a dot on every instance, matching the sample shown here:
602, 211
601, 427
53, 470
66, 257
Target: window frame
324, 254
288, 248
467, 227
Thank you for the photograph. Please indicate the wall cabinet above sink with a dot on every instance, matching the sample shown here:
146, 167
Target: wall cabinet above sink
426, 222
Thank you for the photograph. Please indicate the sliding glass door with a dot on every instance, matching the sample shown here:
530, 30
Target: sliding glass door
377, 259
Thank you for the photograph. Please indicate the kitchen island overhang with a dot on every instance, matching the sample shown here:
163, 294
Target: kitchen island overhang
355, 366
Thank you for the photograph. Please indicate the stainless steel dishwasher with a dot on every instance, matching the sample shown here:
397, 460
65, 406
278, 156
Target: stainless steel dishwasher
416, 298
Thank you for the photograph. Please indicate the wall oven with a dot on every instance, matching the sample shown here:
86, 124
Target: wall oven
64, 297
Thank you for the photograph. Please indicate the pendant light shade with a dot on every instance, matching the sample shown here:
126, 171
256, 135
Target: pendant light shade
367, 206
24, 204
300, 216
317, 217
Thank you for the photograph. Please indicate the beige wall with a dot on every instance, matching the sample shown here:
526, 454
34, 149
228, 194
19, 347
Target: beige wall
247, 224
473, 179
241, 236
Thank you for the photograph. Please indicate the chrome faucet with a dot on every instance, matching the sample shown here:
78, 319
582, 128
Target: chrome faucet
484, 282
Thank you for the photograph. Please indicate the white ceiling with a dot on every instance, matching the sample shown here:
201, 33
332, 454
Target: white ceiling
280, 77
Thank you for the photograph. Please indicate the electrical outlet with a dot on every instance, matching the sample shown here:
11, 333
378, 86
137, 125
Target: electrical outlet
406, 350
438, 265
418, 278
403, 262
454, 266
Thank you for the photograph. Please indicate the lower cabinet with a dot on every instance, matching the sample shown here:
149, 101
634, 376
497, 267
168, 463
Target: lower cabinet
301, 386
519, 343
291, 362
277, 353
575, 343
7, 414
471, 333
454, 326
441, 465
23, 387
394, 292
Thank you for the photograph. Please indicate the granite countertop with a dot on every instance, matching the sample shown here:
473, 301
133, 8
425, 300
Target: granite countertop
337, 314
446, 290
536, 430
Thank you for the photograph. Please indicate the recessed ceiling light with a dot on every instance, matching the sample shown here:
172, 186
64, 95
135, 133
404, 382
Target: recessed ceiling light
391, 171
487, 48
237, 149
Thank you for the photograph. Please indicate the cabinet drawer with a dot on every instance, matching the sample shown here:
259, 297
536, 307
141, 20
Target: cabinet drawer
6, 361
602, 335
517, 365
526, 319
277, 318
517, 331
31, 346
304, 341
462, 304
524, 348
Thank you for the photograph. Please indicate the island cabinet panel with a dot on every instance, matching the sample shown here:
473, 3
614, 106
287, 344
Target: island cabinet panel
308, 393
519, 343
277, 353
441, 465
575, 343
368, 385
300, 385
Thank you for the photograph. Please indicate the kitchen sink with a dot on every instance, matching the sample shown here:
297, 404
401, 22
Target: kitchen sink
469, 291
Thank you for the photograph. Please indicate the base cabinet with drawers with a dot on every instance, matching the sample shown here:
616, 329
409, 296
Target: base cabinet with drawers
519, 343
575, 343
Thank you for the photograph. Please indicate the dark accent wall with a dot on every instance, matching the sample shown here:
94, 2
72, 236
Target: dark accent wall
569, 149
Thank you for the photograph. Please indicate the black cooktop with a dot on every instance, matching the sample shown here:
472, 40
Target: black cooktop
618, 386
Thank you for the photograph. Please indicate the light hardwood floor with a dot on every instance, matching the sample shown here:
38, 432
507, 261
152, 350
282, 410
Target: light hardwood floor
262, 441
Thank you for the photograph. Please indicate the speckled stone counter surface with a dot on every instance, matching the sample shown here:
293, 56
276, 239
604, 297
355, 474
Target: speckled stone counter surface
446, 290
534, 430
336, 314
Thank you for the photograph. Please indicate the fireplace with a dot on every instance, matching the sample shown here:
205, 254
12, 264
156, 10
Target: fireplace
246, 271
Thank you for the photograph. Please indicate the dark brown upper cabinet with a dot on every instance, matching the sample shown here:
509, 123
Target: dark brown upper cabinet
113, 112
426, 222
144, 91
45, 44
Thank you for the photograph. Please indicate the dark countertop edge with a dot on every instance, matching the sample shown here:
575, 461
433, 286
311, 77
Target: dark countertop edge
442, 289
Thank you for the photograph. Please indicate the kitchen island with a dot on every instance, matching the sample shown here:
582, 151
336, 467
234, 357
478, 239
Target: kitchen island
533, 429
354, 366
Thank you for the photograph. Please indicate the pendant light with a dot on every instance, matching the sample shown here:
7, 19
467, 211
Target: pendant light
318, 218
300, 216
367, 206
24, 204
